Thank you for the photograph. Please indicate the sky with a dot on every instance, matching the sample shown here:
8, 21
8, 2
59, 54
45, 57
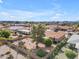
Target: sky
39, 10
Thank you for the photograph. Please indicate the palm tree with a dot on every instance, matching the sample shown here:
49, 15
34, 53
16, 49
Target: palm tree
37, 32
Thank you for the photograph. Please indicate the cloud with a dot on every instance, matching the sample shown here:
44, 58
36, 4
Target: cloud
1, 1
4, 13
20, 15
24, 15
47, 15
54, 14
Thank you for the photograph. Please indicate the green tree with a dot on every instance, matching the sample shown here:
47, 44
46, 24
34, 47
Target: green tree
56, 50
47, 41
70, 54
4, 33
37, 32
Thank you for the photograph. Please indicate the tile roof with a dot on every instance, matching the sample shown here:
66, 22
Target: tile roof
65, 27
58, 26
56, 35
51, 26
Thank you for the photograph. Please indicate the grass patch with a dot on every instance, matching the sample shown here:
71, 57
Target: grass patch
2, 38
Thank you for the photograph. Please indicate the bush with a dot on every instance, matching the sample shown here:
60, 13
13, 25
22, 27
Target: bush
72, 46
57, 49
70, 54
41, 53
47, 41
4, 33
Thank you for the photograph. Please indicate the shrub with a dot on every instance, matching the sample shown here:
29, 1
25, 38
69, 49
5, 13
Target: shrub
41, 53
47, 41
70, 54
5, 33
57, 49
72, 46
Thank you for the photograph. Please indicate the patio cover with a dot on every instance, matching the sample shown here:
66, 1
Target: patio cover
74, 39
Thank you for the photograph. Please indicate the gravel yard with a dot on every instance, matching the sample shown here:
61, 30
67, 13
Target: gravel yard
5, 48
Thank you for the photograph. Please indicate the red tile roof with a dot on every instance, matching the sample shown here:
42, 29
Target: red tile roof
59, 26
57, 35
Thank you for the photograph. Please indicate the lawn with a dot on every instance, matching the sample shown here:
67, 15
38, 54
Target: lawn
2, 38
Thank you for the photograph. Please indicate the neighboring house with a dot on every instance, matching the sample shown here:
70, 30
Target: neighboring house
74, 40
53, 27
66, 28
57, 36
24, 31
20, 29
60, 28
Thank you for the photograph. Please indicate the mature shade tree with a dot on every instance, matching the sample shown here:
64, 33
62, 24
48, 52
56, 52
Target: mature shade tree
37, 32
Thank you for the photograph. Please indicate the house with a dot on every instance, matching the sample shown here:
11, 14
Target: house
74, 41
57, 36
51, 27
20, 29
24, 31
60, 28
66, 28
